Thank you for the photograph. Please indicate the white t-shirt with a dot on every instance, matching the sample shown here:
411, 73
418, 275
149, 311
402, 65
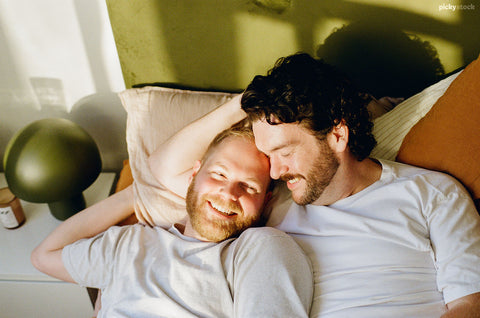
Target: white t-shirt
152, 272
403, 247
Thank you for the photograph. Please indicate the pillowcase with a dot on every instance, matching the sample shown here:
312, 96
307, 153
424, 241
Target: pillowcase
391, 128
153, 115
448, 137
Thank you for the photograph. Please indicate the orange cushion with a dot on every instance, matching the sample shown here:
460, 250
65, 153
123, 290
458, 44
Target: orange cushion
447, 139
125, 178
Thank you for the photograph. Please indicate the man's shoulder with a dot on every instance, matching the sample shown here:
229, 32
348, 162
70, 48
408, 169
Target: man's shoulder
265, 231
266, 244
404, 171
424, 178
263, 238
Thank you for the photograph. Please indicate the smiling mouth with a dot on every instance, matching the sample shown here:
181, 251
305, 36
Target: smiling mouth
222, 209
291, 181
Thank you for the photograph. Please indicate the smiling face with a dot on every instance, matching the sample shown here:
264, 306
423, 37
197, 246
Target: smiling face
297, 157
228, 190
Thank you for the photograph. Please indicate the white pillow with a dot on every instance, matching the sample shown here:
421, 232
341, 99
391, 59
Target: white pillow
153, 115
390, 128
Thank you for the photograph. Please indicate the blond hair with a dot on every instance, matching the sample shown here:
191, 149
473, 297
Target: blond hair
242, 129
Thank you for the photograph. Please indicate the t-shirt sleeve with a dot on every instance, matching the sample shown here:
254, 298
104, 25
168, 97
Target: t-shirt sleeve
455, 236
273, 276
90, 261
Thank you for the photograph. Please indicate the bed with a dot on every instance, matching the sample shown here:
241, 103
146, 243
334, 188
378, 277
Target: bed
437, 128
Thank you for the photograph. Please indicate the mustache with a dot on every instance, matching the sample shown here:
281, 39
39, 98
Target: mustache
289, 176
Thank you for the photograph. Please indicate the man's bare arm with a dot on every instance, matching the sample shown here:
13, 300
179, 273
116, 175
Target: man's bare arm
172, 163
465, 307
47, 256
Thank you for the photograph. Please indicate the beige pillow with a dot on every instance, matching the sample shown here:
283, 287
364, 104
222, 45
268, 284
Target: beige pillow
153, 115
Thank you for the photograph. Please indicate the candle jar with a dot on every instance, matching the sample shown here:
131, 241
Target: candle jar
11, 211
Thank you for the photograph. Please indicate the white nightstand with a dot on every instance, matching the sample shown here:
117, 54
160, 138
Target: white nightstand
24, 291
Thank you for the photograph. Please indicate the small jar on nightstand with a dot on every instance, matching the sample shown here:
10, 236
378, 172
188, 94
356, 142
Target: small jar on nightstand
11, 211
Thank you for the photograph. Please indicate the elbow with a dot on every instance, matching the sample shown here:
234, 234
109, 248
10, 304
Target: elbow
38, 259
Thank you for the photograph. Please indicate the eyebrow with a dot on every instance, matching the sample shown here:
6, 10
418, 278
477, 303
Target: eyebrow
257, 181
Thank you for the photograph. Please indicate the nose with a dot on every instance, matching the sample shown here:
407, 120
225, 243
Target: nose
277, 168
230, 191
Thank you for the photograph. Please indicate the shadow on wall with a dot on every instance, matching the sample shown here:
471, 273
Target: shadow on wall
104, 117
171, 43
382, 60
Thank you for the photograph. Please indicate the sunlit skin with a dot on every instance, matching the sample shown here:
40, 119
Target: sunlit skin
319, 173
228, 191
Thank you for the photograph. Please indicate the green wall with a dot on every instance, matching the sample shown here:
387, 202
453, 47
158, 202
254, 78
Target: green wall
219, 44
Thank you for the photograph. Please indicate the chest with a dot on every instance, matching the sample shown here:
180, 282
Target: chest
171, 278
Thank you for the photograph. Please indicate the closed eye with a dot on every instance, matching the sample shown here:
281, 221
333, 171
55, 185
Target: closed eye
250, 189
218, 175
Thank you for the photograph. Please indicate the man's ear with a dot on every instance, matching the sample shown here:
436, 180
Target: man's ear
338, 137
196, 167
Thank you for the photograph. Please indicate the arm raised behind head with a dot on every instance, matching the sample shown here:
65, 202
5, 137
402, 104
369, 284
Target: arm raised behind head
172, 163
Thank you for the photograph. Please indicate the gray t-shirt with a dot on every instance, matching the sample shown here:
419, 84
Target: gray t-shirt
152, 272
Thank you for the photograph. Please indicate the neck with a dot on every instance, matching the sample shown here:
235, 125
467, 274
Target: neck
189, 231
352, 177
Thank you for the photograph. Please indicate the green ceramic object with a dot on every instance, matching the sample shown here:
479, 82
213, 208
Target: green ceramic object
52, 161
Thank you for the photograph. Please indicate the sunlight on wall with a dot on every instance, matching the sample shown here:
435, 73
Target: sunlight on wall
424, 8
49, 57
260, 42
46, 50
234, 40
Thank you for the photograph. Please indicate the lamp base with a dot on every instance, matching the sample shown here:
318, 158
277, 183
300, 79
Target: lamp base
64, 209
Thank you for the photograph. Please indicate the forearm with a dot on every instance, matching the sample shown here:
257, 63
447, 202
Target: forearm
174, 159
93, 220
465, 307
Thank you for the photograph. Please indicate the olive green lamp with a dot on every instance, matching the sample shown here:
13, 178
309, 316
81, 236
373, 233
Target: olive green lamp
52, 161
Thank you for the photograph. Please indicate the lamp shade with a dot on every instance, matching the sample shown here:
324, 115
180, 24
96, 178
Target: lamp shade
51, 160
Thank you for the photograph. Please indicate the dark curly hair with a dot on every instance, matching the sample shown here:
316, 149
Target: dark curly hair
302, 89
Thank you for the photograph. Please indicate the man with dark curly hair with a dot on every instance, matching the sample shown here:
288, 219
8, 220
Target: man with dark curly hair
385, 239
298, 111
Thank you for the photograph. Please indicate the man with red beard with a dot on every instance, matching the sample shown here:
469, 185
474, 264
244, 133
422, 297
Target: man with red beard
211, 267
